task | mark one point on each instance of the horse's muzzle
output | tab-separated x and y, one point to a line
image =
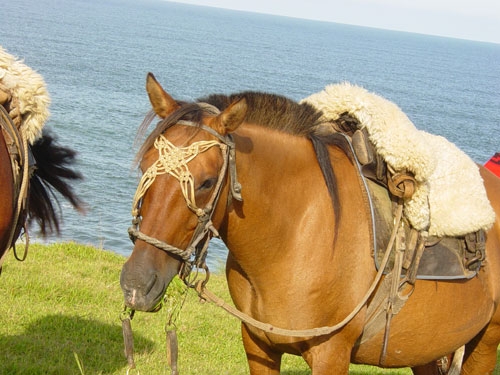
144	293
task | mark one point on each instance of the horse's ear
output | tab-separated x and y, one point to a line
163	104
232	117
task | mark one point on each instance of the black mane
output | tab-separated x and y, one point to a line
273	111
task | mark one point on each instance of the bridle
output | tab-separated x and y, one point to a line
173	160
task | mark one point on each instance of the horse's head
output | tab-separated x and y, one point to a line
182	195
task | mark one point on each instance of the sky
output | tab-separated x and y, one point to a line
465	19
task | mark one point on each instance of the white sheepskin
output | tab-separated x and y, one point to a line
29	89
450	199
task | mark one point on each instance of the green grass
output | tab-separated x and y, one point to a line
60	310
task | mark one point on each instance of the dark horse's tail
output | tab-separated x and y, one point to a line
51	179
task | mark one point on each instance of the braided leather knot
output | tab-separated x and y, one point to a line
402	185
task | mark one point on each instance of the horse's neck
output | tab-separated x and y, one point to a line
286	222
286	204
272	159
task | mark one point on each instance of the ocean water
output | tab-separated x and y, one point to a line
95	54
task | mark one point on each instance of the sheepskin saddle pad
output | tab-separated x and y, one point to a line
449	198
28	95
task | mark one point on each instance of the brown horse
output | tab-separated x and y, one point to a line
51	175
298	238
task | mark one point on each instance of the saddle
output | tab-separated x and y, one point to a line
415	254
421	226
426	173
443	174
425	257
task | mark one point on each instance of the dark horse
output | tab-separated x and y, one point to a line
34	196
298	238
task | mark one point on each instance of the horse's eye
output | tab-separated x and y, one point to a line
207	184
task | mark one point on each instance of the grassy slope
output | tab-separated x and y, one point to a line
65	300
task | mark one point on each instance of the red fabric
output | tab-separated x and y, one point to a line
494	164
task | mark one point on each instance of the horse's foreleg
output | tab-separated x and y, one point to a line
261	359
329	357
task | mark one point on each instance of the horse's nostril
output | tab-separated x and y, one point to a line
151	283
